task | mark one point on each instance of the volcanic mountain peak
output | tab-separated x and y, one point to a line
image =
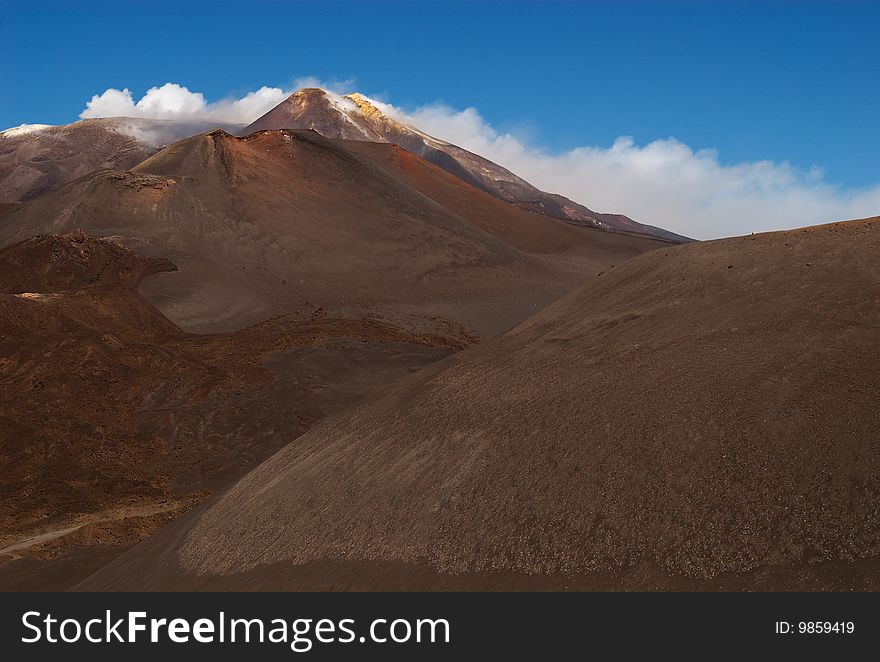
317	97
363	118
346	117
358	117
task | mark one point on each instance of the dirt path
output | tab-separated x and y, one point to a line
106	516
27	543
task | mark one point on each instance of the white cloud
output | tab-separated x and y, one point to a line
664	183
173	101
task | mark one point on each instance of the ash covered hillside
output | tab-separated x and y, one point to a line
113	421
701	417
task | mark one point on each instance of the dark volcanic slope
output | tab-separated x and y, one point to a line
527	231
112	419
259	225
38	158
356	117
703	416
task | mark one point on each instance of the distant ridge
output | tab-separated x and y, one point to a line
258	225
36	158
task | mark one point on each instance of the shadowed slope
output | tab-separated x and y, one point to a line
113	420
703	416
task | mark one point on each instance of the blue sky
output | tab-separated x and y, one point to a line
795	83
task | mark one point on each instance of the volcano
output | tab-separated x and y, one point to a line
357	117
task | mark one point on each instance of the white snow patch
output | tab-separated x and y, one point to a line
24	129
341	103
344	106
399	117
